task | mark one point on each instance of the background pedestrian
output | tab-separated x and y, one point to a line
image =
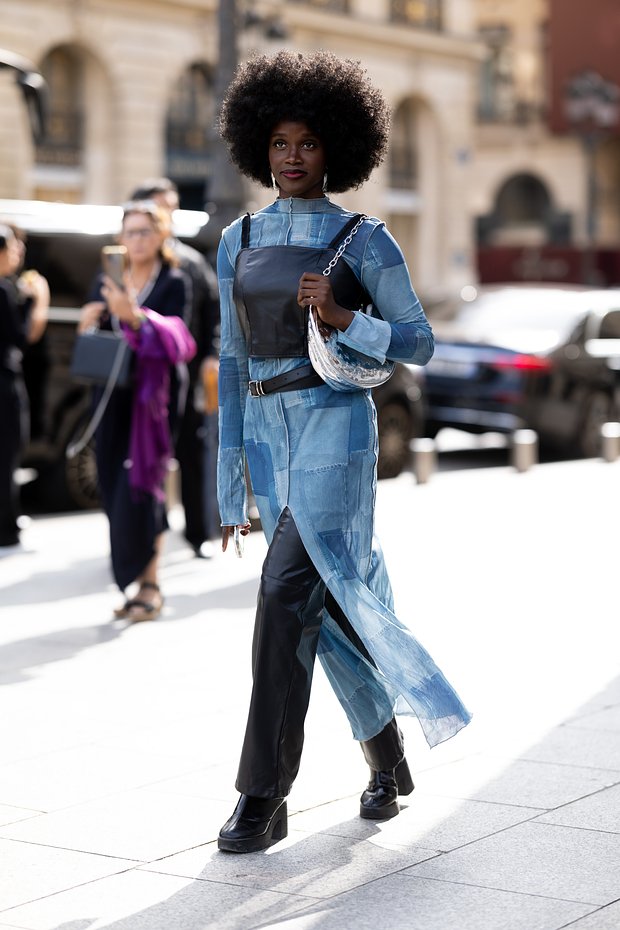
133	439
198	491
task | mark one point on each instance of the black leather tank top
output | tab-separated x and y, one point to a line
265	292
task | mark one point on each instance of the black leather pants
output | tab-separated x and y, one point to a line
288	621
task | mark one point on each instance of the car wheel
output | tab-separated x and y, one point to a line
80	474
394	426
597	410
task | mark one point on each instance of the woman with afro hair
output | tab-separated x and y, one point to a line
308	125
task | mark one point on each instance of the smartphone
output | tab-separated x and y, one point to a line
238	542
114	261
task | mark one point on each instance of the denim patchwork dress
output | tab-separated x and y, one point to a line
315	451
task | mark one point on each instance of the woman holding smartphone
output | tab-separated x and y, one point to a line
147	306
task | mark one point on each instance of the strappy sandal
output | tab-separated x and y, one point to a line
121	612
138	610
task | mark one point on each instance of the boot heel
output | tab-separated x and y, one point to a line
403	777
256	823
279	826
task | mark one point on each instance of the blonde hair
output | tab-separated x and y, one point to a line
161	222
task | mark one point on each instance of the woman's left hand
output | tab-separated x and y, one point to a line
228	531
316	291
121	303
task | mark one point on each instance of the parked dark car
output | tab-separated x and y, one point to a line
400	418
64	242
539	357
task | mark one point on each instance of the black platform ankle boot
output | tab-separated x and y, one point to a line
256	823
380	799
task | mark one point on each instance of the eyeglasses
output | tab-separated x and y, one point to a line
143	233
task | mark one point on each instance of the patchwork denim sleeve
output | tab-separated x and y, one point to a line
403	334
233	388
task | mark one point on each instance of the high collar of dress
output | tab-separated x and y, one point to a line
300	205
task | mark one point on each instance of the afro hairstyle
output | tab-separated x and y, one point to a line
332	96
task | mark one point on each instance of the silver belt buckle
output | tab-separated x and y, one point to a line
256	389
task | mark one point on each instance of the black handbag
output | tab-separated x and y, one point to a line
101	358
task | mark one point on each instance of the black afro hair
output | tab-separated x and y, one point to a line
332	96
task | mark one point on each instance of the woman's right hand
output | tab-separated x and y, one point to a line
89	315
227	532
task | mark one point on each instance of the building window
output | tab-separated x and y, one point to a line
334	6
188	134
403	148
425	14
497	93
64	141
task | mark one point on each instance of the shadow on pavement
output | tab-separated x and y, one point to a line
77	579
16	657
539	870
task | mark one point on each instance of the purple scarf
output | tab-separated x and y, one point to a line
160	342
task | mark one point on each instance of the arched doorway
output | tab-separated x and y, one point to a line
523	214
189	122
522	208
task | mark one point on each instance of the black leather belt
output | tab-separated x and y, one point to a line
298	378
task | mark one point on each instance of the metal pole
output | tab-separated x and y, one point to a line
589	144
610	441
224	189
524	451
424	459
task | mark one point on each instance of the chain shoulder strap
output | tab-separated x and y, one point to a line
345	242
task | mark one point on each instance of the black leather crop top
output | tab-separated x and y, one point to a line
265	292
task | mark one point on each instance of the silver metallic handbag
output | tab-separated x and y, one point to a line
342	368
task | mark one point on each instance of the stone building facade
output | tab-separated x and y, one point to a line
132	96
533	169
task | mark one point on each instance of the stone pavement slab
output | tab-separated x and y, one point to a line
30	871
128	737
503	781
141	824
10	814
149	901
606	720
402	903
600	811
585	748
73	776
604	918
536	858
315	865
424	820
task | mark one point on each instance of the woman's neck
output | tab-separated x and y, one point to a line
141	272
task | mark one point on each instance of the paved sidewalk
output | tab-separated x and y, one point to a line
118	745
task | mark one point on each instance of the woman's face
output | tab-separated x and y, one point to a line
297	160
141	237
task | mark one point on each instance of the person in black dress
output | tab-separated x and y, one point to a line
198	491
22	321
138	419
